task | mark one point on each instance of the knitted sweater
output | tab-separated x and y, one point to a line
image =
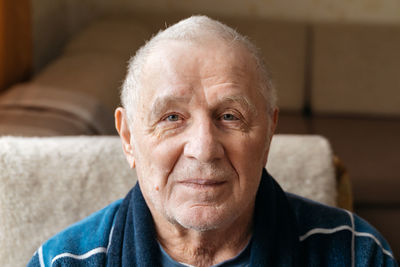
288	231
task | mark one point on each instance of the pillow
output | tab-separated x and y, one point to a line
110	35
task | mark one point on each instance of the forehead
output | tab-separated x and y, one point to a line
176	65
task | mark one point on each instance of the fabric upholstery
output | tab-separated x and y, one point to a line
72	108
355	69
98	75
110	35
370	149
310	160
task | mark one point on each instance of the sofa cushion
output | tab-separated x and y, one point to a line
99	76
117	35
355	69
31	122
28	110
370	149
293	123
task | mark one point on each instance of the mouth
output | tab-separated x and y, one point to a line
202	183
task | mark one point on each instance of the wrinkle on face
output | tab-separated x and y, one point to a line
238	104
161	105
242	101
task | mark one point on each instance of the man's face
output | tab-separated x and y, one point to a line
200	135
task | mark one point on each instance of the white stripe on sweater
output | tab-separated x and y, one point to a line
341	228
110	238
80	257
40	254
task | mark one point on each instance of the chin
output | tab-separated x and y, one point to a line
204	219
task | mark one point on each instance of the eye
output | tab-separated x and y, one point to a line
172	117
229	117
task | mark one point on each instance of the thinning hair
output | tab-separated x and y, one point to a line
193	29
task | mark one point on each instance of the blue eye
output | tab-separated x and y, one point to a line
229	117
173	117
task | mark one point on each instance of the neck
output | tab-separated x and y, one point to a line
205	248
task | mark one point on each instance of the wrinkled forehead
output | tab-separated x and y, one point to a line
214	61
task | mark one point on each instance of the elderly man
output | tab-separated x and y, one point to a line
198	115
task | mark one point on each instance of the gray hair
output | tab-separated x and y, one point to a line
192	29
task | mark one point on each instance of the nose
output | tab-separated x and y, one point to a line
203	143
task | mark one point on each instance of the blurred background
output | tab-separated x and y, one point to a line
336	65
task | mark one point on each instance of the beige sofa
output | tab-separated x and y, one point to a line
340	81
49	183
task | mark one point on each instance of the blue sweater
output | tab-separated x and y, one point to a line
288	231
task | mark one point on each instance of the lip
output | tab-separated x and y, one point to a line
202	183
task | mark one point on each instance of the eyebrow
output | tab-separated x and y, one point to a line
161	103
242	101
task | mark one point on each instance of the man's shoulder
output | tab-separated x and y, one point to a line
338	231
311	214
80	241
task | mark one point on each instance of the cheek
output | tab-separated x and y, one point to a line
155	161
247	156
249	151
154	166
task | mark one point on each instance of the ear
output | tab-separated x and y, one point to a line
274	122
272	127
122	126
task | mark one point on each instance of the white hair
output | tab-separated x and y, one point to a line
192	29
